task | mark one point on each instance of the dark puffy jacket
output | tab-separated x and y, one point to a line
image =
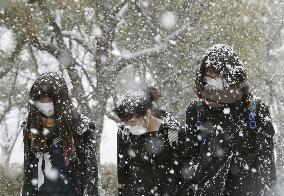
228	157
84	172
149	164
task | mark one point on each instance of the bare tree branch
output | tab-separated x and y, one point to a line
48	47
87	75
146	19
19	46
157	48
34	59
14	137
108	32
5	71
126	56
10	104
115	11
80	40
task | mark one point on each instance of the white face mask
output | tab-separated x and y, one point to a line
47	109
137	129
217	83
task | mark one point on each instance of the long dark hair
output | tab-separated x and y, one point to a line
136	103
54	86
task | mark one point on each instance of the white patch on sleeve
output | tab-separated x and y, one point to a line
173	136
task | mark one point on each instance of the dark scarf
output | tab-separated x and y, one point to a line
219	98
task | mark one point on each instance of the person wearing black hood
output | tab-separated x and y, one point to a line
229	130
59	144
148	143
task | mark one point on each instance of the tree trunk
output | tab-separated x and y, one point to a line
6	150
102	94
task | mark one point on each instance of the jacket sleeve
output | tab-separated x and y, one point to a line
264	161
191	141
183	185
91	180
28	188
190	144
122	164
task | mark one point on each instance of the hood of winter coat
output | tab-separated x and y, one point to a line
223	60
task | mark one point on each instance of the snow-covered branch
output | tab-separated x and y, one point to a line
119	9
48	47
8	138
157	48
125	56
79	39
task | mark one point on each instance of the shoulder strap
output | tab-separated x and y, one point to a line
252	114
199	119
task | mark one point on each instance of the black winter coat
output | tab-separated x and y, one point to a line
228	157
149	164
84	172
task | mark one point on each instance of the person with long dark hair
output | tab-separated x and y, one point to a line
229	130
59	143
149	147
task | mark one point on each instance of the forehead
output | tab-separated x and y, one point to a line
133	121
45	98
211	72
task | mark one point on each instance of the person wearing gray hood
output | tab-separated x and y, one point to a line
229	130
